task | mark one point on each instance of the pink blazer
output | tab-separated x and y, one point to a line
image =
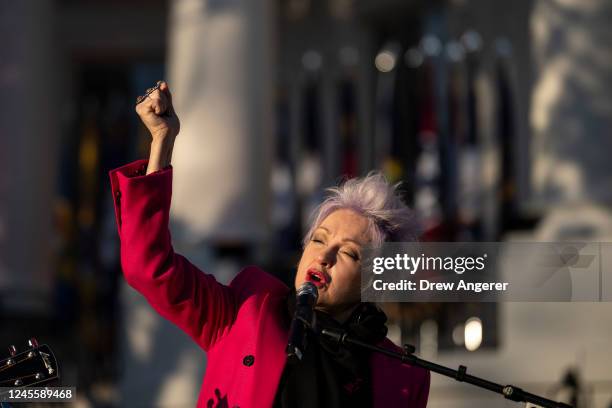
239	325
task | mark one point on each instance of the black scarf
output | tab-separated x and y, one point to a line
329	375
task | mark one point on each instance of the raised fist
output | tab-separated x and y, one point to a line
157	113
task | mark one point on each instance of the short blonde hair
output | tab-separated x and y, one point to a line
377	200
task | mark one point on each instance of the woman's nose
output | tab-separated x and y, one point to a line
327	258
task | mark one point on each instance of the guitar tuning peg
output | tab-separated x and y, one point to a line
12	350
33	343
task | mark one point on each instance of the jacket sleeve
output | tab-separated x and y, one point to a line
175	288
422	394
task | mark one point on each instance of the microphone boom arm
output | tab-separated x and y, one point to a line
508	391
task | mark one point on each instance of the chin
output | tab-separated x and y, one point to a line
324	306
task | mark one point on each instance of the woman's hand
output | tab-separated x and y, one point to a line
157	114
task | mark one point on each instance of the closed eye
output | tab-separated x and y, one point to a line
352	255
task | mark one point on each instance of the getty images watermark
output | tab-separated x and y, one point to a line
488	272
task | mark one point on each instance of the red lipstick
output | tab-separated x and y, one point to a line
318	278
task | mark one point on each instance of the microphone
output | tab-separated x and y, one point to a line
306	298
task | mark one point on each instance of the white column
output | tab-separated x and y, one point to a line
571	112
221	72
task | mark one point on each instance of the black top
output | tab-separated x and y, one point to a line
330	375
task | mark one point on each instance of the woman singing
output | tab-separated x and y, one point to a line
244	326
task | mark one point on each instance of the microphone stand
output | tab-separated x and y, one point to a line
508	391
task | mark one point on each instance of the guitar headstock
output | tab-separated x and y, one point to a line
33	367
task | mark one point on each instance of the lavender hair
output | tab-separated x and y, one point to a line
377	200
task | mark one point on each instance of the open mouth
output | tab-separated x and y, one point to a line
317	277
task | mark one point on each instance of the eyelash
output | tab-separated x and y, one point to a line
352	256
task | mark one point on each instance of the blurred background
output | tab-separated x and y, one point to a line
493	116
